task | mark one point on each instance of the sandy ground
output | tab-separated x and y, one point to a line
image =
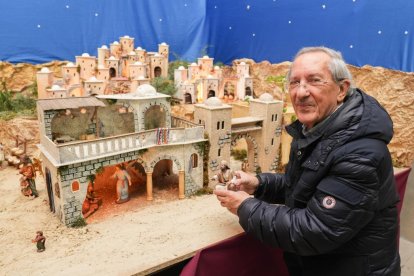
122	244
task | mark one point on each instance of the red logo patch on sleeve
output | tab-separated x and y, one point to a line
328	202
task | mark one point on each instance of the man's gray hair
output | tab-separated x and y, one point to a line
337	65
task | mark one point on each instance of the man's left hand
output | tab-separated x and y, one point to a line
231	199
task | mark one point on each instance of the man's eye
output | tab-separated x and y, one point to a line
315	81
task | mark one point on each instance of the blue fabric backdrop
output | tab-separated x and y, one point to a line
379	33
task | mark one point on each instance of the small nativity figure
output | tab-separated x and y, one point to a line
40	241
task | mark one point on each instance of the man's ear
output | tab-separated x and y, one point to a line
343	90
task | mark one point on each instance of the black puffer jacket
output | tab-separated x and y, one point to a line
338	214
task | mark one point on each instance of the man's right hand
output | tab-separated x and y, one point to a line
246	182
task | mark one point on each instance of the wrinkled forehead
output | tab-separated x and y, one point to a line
312	63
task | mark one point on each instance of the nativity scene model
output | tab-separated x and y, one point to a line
107	136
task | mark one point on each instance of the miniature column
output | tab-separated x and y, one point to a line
149	186
181	184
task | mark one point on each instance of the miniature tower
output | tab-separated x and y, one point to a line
87	65
113	64
206	65
137	69
103	54
186	91
93	86
44	79
141	54
70	74
115	49
56	92
127	44
193	71
158	66
216	118
180	75
103	73
242	73
271	111
163	49
210	87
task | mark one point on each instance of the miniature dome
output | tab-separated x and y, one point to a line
157	55
216	67
194	64
112	58
181	68
104	47
45	70
85	55
132	53
115	43
213	101
145	90
163	44
141	77
139	48
242	63
266	97
210	77
126	36
70	64
92	79
55	87
205	57
100	66
138	63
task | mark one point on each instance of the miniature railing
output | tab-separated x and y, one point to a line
180	122
79	151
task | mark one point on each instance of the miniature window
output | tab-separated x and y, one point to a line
219	152
273	117
194	160
222	124
272	141
75	186
218	125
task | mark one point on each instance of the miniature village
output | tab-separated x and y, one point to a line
107	135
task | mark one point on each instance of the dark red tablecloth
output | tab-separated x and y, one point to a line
243	255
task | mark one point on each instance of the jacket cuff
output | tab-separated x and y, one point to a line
260	187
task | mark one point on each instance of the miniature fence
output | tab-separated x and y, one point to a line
80	151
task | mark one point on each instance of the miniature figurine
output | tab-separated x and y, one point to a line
224	175
91	203
245	165
123	180
28	178
40	241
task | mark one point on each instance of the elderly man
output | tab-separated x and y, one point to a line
336	203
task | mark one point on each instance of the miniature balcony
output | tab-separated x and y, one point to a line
80	151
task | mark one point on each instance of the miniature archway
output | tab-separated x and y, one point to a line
157	72
162	108
112	72
187	98
252	152
211	93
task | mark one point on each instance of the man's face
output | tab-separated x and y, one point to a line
313	92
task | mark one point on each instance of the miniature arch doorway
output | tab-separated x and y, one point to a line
247	142
166	178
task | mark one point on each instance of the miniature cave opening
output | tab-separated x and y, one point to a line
104	192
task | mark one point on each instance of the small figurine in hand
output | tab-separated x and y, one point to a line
40	241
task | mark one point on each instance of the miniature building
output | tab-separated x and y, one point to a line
120	61
208	81
261	130
81	136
